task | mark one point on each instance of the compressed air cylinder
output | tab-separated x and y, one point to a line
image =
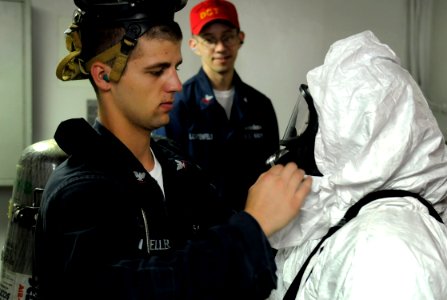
35	165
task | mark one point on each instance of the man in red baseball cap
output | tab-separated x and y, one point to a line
227	126
213	10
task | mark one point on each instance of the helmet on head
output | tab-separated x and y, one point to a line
135	16
136	11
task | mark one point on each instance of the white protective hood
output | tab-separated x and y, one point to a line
376	131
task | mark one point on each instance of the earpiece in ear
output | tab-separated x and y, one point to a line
106	78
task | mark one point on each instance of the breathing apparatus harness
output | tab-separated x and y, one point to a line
135	16
350	214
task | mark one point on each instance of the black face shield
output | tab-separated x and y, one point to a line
109	12
297	144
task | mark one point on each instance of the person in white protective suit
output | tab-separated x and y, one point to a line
376	132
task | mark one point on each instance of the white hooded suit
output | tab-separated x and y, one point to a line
376	132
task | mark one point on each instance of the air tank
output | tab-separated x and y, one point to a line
35	166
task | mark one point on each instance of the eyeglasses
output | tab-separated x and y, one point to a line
227	39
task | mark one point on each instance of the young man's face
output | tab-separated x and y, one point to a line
217	45
145	92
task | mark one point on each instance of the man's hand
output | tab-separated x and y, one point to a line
276	197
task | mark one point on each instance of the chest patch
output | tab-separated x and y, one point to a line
201	136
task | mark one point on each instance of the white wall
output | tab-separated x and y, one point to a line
437	92
53	100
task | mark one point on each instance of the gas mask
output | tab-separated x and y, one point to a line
297	144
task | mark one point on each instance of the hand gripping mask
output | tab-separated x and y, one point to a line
135	16
297	144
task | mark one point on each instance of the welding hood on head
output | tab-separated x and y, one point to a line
297	144
134	11
135	16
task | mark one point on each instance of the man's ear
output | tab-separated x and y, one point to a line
242	36
193	45
100	74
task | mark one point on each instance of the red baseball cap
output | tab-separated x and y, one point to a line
212	10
